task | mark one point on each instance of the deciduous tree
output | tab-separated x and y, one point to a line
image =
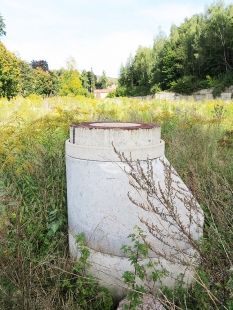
35	81
70	80
9	73
35	64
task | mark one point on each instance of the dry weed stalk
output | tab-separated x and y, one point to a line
218	220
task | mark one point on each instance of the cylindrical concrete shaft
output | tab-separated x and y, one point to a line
98	205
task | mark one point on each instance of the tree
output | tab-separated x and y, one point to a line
92	80
201	46
157	56
70	80
35	64
102	82
219	28
56	80
2	26
85	80
44	84
9	73
34	81
142	67
27	79
126	78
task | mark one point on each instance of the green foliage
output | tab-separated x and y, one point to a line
35	81
27	81
56	83
112	94
204	170
35	228
43	82
185	85
155	89
136	252
220	82
85	80
9	73
82	265
170	70
17	77
70	81
102	82
202	164
2	26
121	91
139	249
217	90
36	270
84	253
203	84
35	64
219	112
92	81
201	46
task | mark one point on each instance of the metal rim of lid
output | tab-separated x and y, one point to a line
115	125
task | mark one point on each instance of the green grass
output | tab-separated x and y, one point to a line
36	270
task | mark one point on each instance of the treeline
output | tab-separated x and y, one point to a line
197	54
18	77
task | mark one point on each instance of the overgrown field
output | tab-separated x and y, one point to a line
36	271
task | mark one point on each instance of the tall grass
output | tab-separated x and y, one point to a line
206	168
36	271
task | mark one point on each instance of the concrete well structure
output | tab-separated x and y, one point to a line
98	205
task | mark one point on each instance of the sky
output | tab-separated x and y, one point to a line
99	34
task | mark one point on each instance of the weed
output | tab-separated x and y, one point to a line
219	112
36	271
212	286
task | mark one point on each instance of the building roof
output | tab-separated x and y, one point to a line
106	90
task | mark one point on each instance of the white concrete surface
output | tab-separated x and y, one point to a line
149	302
108	269
98	204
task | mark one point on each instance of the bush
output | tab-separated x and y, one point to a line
155	89
203	84
111	94
185	85
121	91
217	90
220	82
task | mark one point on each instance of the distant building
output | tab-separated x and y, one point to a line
102	93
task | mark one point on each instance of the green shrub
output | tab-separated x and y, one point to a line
203	84
185	85
217	90
111	94
121	91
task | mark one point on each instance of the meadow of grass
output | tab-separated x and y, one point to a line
36	271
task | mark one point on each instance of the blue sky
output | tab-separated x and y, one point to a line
97	33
